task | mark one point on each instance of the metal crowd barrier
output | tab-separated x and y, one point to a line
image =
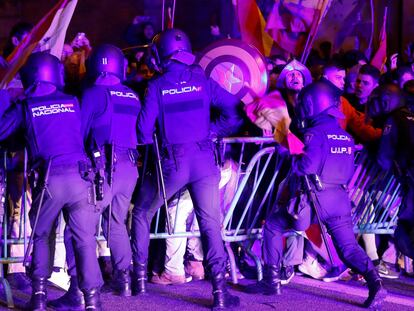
259	168
375	195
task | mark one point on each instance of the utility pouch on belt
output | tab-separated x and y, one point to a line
99	179
87	174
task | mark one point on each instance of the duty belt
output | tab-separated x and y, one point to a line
61	169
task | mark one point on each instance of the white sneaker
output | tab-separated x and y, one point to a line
60	279
313	268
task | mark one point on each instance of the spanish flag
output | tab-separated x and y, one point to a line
380	57
252	26
48	35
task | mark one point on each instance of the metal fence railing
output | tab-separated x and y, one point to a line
257	168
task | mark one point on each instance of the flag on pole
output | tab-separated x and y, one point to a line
48	34
291	23
380	56
252	26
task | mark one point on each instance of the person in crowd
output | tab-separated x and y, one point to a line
180	209
355	121
367	80
140	31
404	74
16	182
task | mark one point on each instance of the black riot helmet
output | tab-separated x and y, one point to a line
106	59
316	99
383	100
172	44
42	67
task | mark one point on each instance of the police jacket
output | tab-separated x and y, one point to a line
109	115
51	125
397	141
328	152
180	100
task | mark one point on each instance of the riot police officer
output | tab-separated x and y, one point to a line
52	126
179	102
109	115
328	160
396	152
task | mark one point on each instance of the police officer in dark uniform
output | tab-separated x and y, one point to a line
179	102
109	119
52	126
109	115
396	152
328	160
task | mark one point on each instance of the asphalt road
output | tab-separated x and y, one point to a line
301	294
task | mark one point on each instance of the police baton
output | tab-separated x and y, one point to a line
110	183
314	202
42	196
161	177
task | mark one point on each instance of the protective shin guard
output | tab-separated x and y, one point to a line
222	298
377	292
71	300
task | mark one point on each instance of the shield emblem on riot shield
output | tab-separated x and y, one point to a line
237	66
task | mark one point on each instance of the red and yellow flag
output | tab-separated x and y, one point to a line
252	26
48	34
380	57
293	23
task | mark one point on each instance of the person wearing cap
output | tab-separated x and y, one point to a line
51	122
177	105
328	161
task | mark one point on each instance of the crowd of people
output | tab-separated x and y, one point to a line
81	131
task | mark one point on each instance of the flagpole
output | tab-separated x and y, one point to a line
369	49
307	42
173	14
311	37
163	15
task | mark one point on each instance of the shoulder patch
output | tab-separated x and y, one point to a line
387	129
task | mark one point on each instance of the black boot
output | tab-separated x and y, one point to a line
270	285
71	300
377	292
105	264
92	299
140	279
222	298
39	295
122	283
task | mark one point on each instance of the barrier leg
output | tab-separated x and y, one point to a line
258	263
233	267
6	288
